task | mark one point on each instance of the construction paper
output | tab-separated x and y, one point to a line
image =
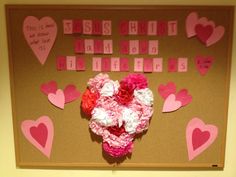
40	35
80	64
166	90
182	64
203	64
153	47
49	87
147	65
97	27
172	28
107	47
115	64
106	27
71	93
79	46
217	34
61	63
142	27
57	99
124	27
138	65
98	46
68	26
97	63
133	47
89	46
152	28
171	104
191	22
71	63
133	27
157	65
199	136
203	32
184	97
124	64
106	64
143	47
39	133
124	47
172	65
162	28
77	26
87	27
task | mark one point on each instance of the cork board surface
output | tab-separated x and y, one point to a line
164	144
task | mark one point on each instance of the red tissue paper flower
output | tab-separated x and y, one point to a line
88	101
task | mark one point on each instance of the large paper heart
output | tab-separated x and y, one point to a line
184	97
50	87
57	99
203	64
166	90
203	32
217	34
71	93
40	35
39	133
199	137
171	104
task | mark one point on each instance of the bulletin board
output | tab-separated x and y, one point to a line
184	52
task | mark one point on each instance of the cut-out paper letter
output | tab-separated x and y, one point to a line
172	28
106	27
124	47
71	63
107	46
157	65
133	47
133	27
106	64
138	65
172	65
61	63
87	27
147	65
97	63
89	46
182	64
68	26
80	64
79	46
153	47
124	27
124	64
115	64
77	26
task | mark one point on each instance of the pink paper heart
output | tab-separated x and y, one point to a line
203	32
171	104
57	99
40	35
199	137
71	93
217	34
191	21
50	87
203	64
184	97
166	90
39	133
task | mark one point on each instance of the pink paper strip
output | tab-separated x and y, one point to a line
79	46
124	27
142	27
172	28
157	65
87	27
80	64
106	27
124	64
89	46
77	26
97	27
172	65
98	46
182	64
162	28
97	63
153	47
68	26
115	64
138	65
143	47
106	64
148	65
71	63
61	63
133	27
124	47
152	28
133	47
107	47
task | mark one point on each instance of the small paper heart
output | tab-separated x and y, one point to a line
203	64
203	32
171	104
166	90
57	99
50	87
184	97
71	93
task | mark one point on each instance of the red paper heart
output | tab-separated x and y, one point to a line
183	97
40	134
71	93
166	90
203	64
199	138
50	87
203	32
